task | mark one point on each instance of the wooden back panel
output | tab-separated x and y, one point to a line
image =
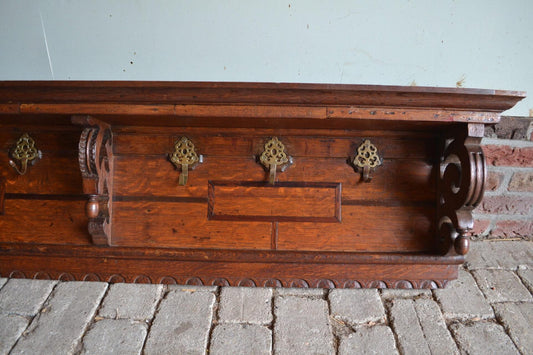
228	204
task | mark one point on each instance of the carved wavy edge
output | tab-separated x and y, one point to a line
237	282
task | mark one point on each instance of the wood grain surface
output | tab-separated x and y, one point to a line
104	202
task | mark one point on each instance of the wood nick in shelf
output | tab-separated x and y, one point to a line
104	201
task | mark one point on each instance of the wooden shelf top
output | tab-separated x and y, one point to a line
253	100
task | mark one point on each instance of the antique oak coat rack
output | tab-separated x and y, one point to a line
250	184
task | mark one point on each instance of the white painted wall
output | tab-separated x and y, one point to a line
480	43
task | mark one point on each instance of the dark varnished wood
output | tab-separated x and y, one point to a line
104	202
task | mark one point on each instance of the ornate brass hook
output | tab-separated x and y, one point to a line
367	159
274	158
25	152
185	156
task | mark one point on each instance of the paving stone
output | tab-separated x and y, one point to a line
302	326
526	275
63	319
369	340
245	305
182	324
241	339
499	255
462	299
110	336
191	288
390	293
511	254
502	286
356	306
24	297
483	338
420	327
517	318
2	281
11	327
482	256
131	301
301	292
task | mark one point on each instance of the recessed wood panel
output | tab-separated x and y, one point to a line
288	201
364	229
58	221
183	225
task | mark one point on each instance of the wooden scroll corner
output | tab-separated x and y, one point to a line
460	187
96	161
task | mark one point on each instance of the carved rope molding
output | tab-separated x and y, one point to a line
95	155
461	185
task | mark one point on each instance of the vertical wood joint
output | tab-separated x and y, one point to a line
274	239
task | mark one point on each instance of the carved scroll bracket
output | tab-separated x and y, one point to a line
95	155
461	185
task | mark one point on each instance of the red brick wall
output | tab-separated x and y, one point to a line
507	208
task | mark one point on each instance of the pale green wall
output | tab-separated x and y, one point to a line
484	43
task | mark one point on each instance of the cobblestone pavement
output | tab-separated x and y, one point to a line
488	310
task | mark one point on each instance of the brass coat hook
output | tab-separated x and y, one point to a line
24	152
366	160
185	156
274	158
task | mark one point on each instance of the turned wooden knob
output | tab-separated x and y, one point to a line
93	207
461	245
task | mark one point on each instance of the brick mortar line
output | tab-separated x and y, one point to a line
509	193
387	322
156	311
506	168
36	316
274	318
79	347
515	143
273	322
508	173
498	321
529	132
336	337
503	217
422	328
486	232
504	185
388	318
215	317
